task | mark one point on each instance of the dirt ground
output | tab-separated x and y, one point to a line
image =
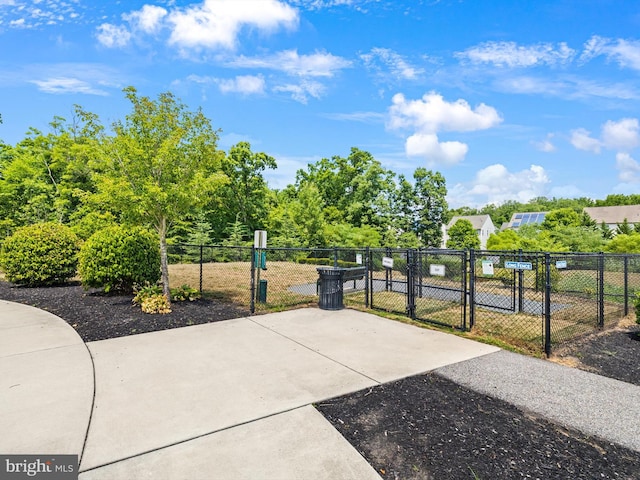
422	427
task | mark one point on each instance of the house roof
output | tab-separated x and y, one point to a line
477	221
611	215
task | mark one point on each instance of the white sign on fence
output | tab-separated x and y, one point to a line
387	262
359	258
487	267
437	270
561	264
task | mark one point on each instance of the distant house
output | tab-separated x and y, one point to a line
519	219
614	216
482	224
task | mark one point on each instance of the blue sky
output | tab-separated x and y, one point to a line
509	100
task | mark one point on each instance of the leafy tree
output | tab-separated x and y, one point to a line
562	217
161	165
347	235
504	240
462	236
355	190
46	177
624	228
618	199
578	239
430	205
244	197
624	243
605	231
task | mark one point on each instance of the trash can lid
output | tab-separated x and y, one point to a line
330	269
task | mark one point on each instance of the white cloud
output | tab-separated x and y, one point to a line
318	64
567	87
582	140
398	67
623	135
545	145
66	85
432	114
244	84
427	145
625	52
210	24
510	54
362	117
628	169
37	14
302	91
496	184
217	23
148	19
113	36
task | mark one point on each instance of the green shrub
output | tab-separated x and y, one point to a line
183	293
42	254
156	304
117	258
636	303
144	292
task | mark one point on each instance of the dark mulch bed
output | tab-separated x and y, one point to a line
98	316
423	427
427	427
612	353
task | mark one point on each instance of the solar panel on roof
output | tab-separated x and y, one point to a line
518	216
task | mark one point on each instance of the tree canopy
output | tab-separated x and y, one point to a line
161	167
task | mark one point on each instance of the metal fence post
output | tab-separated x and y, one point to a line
335	256
520	285
547	304
201	259
367	275
388	274
253	280
601	290
464	290
420	270
472	289
626	285
411	290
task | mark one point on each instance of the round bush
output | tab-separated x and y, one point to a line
118	258
40	255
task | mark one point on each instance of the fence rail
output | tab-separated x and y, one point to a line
532	300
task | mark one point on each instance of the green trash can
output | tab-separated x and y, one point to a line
330	291
262	291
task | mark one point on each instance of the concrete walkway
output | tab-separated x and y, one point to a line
233	399
223	400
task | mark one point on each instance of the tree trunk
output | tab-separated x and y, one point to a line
164	265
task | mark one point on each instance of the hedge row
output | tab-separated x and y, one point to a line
115	258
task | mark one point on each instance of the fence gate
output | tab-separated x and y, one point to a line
507	296
426	285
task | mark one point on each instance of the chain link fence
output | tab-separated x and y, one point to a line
531	300
507	296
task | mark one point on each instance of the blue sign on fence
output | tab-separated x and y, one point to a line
519	265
